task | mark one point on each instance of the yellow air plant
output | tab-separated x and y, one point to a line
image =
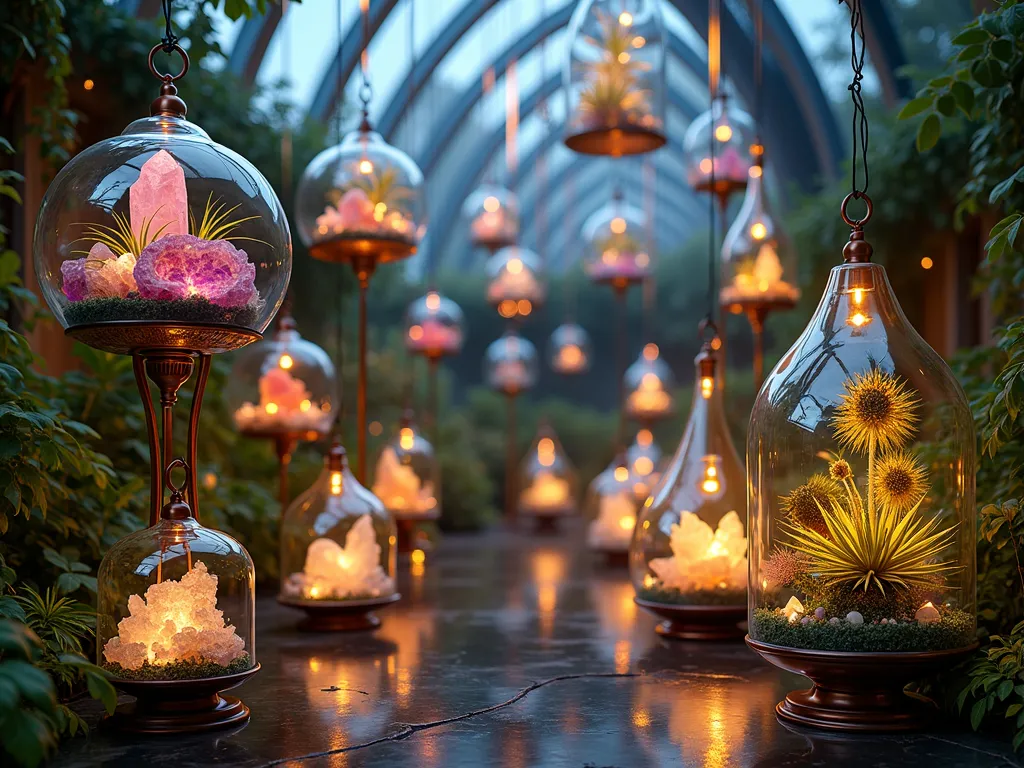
215	224
119	238
383	187
612	90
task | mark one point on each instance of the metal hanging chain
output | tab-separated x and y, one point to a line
710	317
340	85
758	70
365	89
169	39
860	118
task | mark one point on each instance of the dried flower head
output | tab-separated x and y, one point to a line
900	482
783	567
840	470
804	503
877	409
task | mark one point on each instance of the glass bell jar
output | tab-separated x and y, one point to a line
690	548
162	231
758	260
337	550
283	386
643	458
732	130
569	350
361	200
615	78
614	237
407	475
493	215
861	453
510	364
610	508
648	384
433	327
547	480
515	285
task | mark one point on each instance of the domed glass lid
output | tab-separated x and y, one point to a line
649	384
434	326
493	215
510	364
616	240
515	284
731	131
569	350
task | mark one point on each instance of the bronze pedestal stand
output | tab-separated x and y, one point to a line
284	446
340	615
615	140
409	535
697	622
757	313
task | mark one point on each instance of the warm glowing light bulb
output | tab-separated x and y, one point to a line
644	438
571	356
365	167
643	465
626	19
271	408
705	165
758	230
621	474
755	172
649	382
643	260
433	302
623	58
88	85
651	351
305	405
415	332
286	361
491	204
639	42
723	133
524	307
514	266
627	522
545	445
618	225
335	483
927	263
406	438
418	556
707	386
507	308
710	484
378	211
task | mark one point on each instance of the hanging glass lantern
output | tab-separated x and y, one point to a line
547	480
361	202
510	364
337	551
515	284
688	560
643	458
610	508
433	327
733	131
615	78
649	383
493	215
569	350
614	237
861	457
175	621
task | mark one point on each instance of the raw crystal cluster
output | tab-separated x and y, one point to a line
333	572
729	166
182	266
514	286
649	399
762	281
357	214
175	621
434	338
613	528
547	493
399	487
285	406
101	274
704	560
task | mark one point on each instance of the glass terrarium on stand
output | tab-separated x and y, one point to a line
615	241
569	350
493	215
547	481
283	389
861	453
648	386
407	481
515	284
610	508
433	330
688	559
643	458
615	78
732	131
338	545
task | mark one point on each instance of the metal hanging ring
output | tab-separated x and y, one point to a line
165	77
702	329
856	223
174	464
365	93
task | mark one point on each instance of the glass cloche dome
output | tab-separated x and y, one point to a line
407	478
510	364
733	131
649	383
515	284
361	200
161	225
610	508
643	458
615	78
569	350
547	480
614	237
433	326
284	386
493	215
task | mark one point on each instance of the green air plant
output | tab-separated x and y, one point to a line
612	91
215	224
383	188
120	238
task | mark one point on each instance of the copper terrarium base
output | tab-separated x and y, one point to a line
858	692
126	337
616	141
697	622
181	706
340	615
362	251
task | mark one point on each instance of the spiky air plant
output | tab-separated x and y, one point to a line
383	188
120	238
804	503
900	482
215	224
613	91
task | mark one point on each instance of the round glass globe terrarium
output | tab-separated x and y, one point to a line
610	508
648	385
861	452
493	215
433	327
688	560
732	132
547	480
337	551
515	284
510	365
615	78
614	237
569	350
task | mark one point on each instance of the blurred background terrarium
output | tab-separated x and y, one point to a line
511	365
648	384
643	457
615	238
338	551
493	215
615	78
732	131
547	481
610	509
688	560
569	350
433	327
515	283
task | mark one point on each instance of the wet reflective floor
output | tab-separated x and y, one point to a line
446	681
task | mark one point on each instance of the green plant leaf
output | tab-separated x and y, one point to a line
916	106
964	95
972	37
928	133
977	713
1003	187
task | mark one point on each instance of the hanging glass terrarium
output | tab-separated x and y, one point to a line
515	284
648	385
615	78
643	458
688	561
510	364
861	453
493	215
732	131
610	508
433	327
337	551
615	240
547	480
569	350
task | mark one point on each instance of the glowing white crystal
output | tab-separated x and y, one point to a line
613	528
399	487
703	559
547	491
333	572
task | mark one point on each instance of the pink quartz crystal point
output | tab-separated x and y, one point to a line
182	266
355	211
280	387
158	197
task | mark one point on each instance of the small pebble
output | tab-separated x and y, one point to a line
854	618
834	620
819	613
885	621
805	620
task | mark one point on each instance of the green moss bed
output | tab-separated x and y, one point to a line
180	670
194	309
733	597
954	630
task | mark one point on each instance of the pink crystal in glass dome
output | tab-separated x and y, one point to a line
162	224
